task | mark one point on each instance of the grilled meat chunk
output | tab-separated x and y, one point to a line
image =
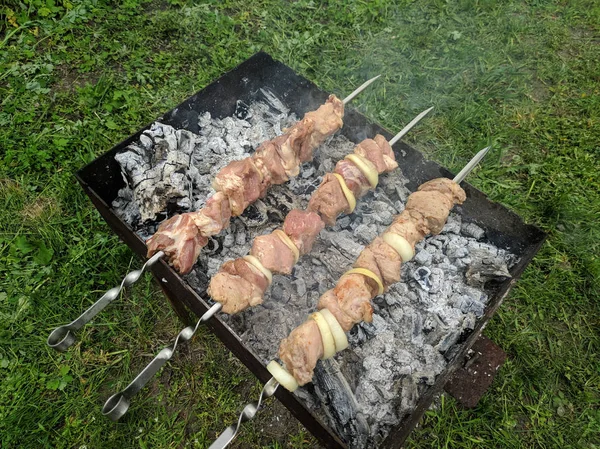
355	180
274	255
301	350
329	200
180	240
302	227
381	259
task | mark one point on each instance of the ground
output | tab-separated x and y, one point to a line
78	76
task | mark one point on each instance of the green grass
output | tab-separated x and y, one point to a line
77	77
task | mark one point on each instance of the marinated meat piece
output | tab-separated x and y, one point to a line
411	225
434	206
301	351
355	180
330	302
370	150
214	216
180	240
241	182
446	186
327	120
302	227
381	259
354	293
247	271
388	154
274	255
267	160
234	292
329	200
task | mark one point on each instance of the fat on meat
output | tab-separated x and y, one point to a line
179	239
241	182
355	179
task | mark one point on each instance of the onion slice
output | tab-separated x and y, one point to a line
347	192
369	274
339	336
366	167
282	376
326	336
288	242
259	266
400	244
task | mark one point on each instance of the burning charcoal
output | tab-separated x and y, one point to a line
146	141
300	287
457	252
478	274
425	377
204	121
410	395
453	224
423	258
333	389
421	275
447	340
366	233
241	110
436	280
469	322
472	230
343	222
228	240
308	172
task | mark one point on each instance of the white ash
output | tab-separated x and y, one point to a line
393	360
170	170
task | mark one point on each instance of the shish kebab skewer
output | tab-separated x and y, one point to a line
302	349
241	283
182	237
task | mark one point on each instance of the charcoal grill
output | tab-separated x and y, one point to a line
101	180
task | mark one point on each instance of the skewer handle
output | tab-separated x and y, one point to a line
63	337
247	414
118	404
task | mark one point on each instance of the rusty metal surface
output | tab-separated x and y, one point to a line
470	382
102	179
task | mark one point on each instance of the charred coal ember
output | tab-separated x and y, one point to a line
417	325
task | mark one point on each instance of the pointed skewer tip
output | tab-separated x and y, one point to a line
358	90
408	127
471	165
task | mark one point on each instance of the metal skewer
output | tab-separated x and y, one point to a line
358	90
116	406
250	410
62	337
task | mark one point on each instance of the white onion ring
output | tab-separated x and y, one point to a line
281	375
347	192
366	167
288	242
339	336
326	336
400	244
259	266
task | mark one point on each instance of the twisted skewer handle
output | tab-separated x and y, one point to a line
118	404
247	414
62	337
